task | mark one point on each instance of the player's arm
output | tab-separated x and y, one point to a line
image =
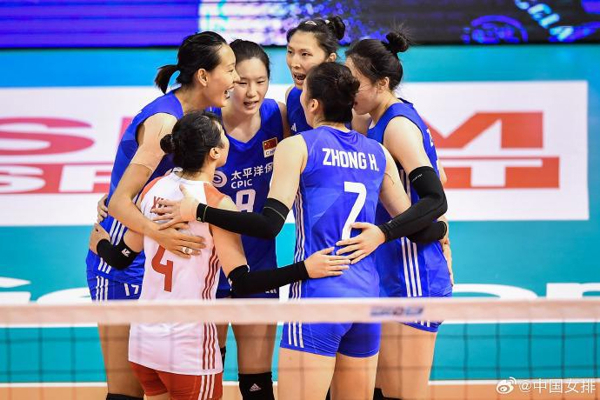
102	208
143	164
418	227
122	254
445	241
443	176
229	249
289	161
405	143
284	121
396	202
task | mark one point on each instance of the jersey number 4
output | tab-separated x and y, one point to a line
361	190
165	269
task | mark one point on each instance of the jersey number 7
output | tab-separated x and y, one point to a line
361	190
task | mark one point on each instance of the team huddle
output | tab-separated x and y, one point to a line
203	181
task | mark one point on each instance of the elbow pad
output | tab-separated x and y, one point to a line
427	184
432	233
243	282
264	225
118	256
431	205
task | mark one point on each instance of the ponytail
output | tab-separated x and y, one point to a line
163	77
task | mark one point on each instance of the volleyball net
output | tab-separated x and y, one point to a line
487	348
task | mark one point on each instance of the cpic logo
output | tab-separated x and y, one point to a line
220	179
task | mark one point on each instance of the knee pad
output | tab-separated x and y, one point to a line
112	396
256	386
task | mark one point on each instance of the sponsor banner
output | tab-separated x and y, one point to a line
511	150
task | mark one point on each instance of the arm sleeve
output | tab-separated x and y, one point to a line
431	205
118	256
432	233
266	224
243	282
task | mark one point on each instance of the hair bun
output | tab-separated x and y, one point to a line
398	42
346	84
167	143
337	26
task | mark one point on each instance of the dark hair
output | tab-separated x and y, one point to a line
200	50
328	32
376	59
246	50
335	87
193	136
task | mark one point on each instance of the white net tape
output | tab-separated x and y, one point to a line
252	311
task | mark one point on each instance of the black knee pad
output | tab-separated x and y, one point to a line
256	386
223	351
112	396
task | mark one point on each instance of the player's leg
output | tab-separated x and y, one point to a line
150	380
223	292
255	344
405	360
114	340
222	331
356	363
303	376
164	396
307	359
187	387
354	378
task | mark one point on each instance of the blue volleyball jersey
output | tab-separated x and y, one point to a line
167	104
295	112
246	177
340	185
408	269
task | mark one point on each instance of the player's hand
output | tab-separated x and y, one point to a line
102	208
178	243
322	265
445	242
445	239
448	255
181	226
362	245
178	211
98	233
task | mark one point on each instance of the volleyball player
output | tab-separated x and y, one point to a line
182	360
311	43
407	349
338	176
206	67
254	126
